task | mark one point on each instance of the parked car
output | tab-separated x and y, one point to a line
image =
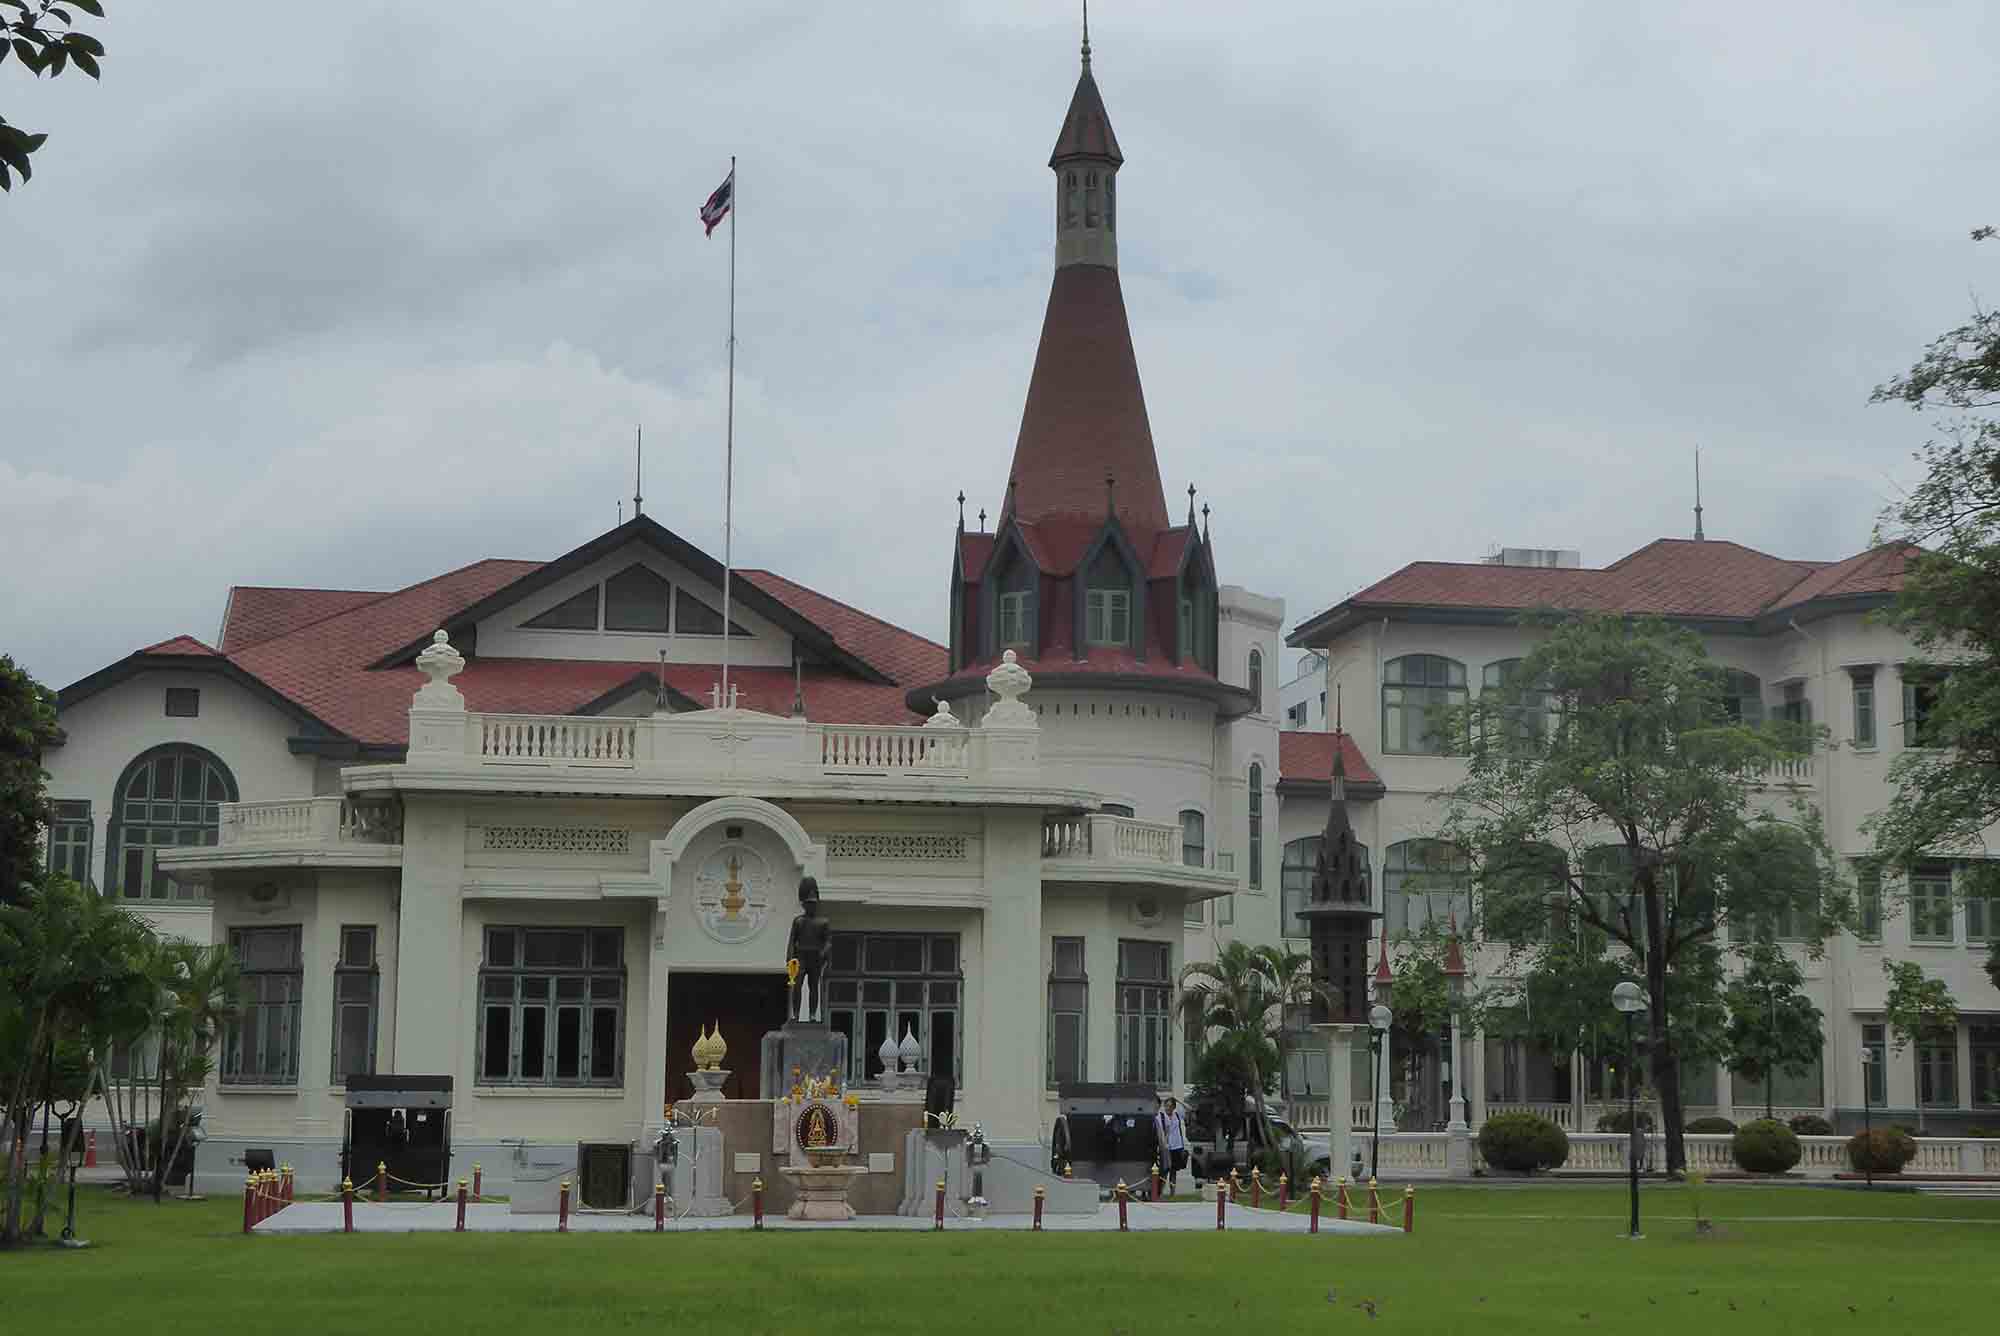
1211	1155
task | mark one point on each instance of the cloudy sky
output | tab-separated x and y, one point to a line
350	294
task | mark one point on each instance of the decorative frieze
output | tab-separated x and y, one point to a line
577	840
900	847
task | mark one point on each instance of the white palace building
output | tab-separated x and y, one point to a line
502	825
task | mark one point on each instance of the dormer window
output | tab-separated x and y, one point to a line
1107	612
1014	607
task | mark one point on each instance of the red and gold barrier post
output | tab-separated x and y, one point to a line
1342	1197
1123	1194
1315	1206
1374	1202
476	1177
659	1206
461	1206
1221	1200
381	1181
249	1201
937	1215
562	1207
756	1203
1409	1209
1040	1193
347	1206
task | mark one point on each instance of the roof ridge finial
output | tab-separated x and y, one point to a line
1190	505
1204	521
1110	494
638	469
1086	34
982	519
961	510
1699	537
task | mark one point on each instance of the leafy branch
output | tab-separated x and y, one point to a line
44	38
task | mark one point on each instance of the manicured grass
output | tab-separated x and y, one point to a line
1525	1259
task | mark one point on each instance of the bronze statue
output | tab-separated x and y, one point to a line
808	944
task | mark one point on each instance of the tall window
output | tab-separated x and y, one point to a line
882	985
1608	884
1525	895
260	1044
1256	827
1194	838
1864	706
1795	708
1256	681
1069	1011
168	797
636	599
357	992
1424	880
1982	917
1742	696
1416	690
1144	992
1985	1054
1524	718
1867	900
1937	1069
69	840
552	1007
1930	902
1187	628
1015	606
1107	616
1295	879
1875	1039
1919	701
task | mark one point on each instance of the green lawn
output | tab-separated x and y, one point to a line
1525	1259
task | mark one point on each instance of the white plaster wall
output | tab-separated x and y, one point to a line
1151	751
502	635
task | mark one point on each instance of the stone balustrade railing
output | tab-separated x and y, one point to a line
1425	1154
330	819
1314	1115
1099	839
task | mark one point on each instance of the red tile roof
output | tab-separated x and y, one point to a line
1670	577
186	645
1306	757
898	654
1085	414
257	613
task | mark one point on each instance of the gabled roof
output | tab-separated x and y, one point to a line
903	656
1305	765
176	645
1086	127
973	551
256	613
1687	579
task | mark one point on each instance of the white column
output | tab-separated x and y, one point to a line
1457	1123
1339	1094
1004	1068
1385	1102
1478	1077
430	983
653	1095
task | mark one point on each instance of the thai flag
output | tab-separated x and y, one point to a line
717	207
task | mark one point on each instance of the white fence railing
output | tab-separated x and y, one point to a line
306	821
1098	838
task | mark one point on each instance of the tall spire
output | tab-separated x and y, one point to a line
638	468
1698	535
1086	34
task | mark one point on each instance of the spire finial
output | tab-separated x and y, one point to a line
982	519
1336	709
1698	535
638	468
1190	505
1204	521
1013	488
961	511
1086	34
1110	491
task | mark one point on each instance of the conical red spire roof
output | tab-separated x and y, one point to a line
1086	129
1086	413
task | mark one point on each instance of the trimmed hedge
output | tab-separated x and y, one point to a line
1523	1142
1883	1151
1621	1121
1710	1125
1765	1146
1811	1125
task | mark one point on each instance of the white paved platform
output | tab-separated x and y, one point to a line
435	1217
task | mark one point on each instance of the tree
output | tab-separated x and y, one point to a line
1236	1004
42	36
1619	745
1947	784
27	729
1773	1026
72	967
1917	1008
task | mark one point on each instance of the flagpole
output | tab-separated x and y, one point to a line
729	443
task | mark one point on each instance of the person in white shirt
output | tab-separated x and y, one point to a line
1170	1131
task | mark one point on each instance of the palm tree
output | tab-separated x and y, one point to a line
204	990
1240	999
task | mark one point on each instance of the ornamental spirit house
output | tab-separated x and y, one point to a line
1341	912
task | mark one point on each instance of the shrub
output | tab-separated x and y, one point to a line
1883	1151
1765	1146
1711	1125
1523	1141
1811	1125
1621	1121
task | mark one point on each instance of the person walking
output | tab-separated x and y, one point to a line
1170	1132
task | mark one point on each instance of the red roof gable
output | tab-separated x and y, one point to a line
256	613
1879	570
1306	757
1086	127
898	654
187	645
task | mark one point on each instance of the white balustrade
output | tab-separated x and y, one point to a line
1559	1114
1421	1152
309	821
559	739
1098	838
1362	1115
869	750
1823	1155
1065	837
1309	1115
1990	1157
1145	841
1935	1155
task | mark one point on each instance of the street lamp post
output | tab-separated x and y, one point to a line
1868	1114
1770	1046
1630	999
1379	1020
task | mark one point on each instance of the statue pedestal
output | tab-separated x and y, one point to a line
811	1047
695	1180
821	1190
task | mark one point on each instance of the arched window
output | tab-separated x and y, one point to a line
1416	690
1110	203
1015	606
1090	199
1194	838
167	797
1525	711
1107	612
1424	880
1295	880
1256	681
1608	885
1256	827
1072	201
1524	895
